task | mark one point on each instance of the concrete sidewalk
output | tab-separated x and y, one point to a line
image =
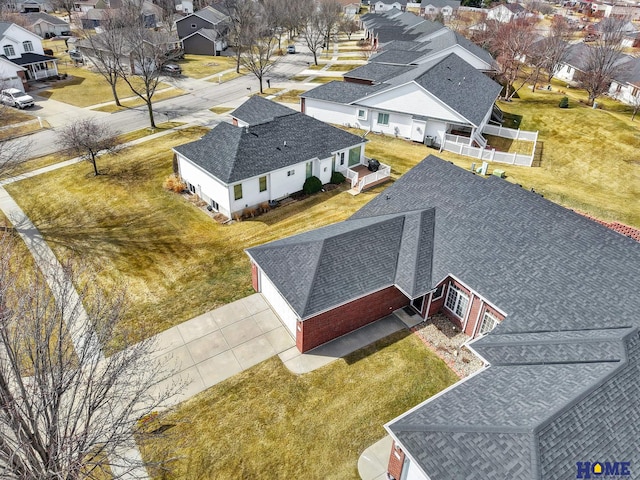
221	343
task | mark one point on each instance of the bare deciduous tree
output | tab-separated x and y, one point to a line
348	26
510	44
259	56
67	411
331	13
242	17
148	51
105	50
314	33
88	138
604	58
549	52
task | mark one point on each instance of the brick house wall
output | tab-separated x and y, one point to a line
396	461
326	326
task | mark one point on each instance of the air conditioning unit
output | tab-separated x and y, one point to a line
428	141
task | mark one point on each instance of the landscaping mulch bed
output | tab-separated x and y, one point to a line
446	340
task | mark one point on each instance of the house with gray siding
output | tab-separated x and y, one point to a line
204	32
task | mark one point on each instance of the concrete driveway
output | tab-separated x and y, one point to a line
221	343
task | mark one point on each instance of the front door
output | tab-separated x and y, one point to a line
417	304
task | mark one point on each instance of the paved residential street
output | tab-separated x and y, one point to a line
200	97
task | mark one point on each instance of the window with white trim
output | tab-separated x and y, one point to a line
27	46
438	293
457	301
9	51
290	173
362	114
383	119
489	322
262	181
237	191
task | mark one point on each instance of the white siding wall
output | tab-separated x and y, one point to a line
625	95
210	188
382	7
566	73
414	473
279	304
412	99
436	130
283	185
330	112
322	169
251	194
9	75
15	35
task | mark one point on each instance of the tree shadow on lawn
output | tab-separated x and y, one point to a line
375	347
132	241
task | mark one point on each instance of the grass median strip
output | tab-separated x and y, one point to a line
137	101
270	423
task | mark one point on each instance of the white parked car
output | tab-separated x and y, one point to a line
16	98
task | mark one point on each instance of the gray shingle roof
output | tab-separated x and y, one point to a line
455	82
310	270
452	80
29	58
342	92
396	57
630	73
210	14
377	72
232	154
4	26
563	385
34	17
260	110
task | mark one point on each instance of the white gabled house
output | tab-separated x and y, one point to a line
625	86
24	48
234	168
422	103
11	75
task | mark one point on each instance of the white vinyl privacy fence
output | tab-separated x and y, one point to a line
462	146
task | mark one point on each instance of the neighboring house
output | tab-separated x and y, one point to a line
507	267
421	103
128	59
631	40
12	75
204	32
184	6
379	6
625	86
507	12
438	45
236	168
24	48
435	7
46	25
576	62
84	6
34	6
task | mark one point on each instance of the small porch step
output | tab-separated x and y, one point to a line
355	191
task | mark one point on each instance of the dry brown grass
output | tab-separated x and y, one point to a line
269	423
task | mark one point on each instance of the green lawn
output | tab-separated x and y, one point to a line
269	423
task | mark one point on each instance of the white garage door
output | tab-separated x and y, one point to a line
279	304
